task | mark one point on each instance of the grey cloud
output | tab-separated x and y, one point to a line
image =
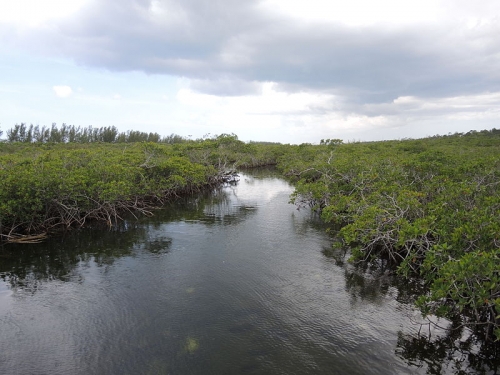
211	41
226	87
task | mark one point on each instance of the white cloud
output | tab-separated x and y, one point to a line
270	101
277	115
361	13
35	12
358	12
285	70
451	106
63	91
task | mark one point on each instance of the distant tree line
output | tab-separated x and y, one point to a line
485	132
22	133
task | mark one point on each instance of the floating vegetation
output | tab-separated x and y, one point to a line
27	239
191	345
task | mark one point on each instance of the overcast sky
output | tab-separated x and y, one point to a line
290	71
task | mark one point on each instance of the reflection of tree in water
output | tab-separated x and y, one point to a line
375	279
450	353
223	209
261	172
456	351
307	222
364	281
210	208
27	266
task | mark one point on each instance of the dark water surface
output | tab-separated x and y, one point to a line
232	283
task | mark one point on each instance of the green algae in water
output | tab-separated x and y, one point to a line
191	345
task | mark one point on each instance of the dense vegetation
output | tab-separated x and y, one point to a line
429	207
46	185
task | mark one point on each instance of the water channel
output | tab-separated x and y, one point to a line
234	282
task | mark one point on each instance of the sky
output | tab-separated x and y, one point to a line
289	71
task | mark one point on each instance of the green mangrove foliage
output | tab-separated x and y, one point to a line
430	207
44	186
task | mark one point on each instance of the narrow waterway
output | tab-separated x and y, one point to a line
235	282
